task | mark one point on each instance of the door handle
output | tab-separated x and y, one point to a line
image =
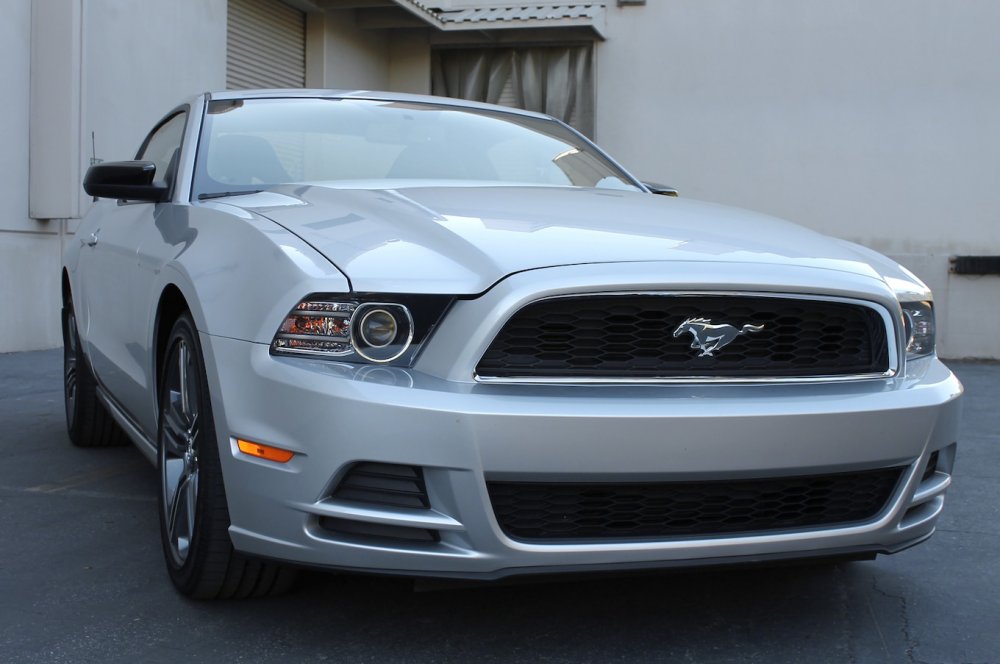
91	240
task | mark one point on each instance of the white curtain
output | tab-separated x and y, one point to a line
557	80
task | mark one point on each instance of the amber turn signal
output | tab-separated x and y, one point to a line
264	451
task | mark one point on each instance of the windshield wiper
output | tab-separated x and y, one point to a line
223	194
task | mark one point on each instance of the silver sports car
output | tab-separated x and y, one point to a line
421	336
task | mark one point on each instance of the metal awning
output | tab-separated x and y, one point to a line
508	15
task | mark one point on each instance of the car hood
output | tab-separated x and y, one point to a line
462	239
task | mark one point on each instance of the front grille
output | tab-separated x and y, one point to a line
581	511
388	484
633	336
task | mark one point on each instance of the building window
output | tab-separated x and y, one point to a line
556	80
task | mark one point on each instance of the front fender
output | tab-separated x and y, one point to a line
240	273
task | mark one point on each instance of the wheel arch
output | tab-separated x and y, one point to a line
67	290
171	305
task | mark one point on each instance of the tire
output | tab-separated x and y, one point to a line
88	422
194	517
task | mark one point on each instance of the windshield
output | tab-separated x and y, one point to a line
253	144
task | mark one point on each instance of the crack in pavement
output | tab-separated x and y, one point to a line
904	627
878	628
843	600
967	532
89	477
78	493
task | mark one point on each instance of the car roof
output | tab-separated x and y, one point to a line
376	95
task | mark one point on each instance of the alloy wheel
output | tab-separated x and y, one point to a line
179	450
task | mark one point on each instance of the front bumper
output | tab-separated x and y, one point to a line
333	415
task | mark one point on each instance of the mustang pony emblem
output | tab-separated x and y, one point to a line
709	338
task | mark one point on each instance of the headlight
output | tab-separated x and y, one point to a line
380	329
920	330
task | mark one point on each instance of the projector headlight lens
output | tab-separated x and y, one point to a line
383	331
378	328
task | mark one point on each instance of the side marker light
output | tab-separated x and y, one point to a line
264	451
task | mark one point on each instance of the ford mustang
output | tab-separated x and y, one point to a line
428	337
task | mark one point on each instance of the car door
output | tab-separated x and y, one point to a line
119	282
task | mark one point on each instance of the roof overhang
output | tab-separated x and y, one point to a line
464	16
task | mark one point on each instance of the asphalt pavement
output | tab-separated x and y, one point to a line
82	579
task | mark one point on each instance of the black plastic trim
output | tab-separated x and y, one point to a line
975	265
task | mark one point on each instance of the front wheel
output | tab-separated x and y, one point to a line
194	517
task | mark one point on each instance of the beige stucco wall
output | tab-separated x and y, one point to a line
872	121
130	82
339	55
410	62
120	66
29	250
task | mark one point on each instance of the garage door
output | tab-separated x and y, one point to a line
265	46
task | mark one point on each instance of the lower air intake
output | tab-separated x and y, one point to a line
375	531
601	511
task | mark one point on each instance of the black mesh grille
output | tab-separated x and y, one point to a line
633	336
531	510
384	484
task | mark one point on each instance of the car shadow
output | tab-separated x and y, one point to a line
637	617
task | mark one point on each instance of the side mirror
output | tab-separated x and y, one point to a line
661	189
128	180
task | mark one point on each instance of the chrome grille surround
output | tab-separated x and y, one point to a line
892	325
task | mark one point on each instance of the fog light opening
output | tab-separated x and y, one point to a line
932	463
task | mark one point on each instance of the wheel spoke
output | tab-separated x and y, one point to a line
192	391
175	509
182	366
71	380
180	520
174	432
190	502
173	475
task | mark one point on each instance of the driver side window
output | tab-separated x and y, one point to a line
163	147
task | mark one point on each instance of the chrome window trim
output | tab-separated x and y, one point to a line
889	321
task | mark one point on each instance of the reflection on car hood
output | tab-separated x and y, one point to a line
463	239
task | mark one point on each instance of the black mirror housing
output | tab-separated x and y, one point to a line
661	189
125	180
